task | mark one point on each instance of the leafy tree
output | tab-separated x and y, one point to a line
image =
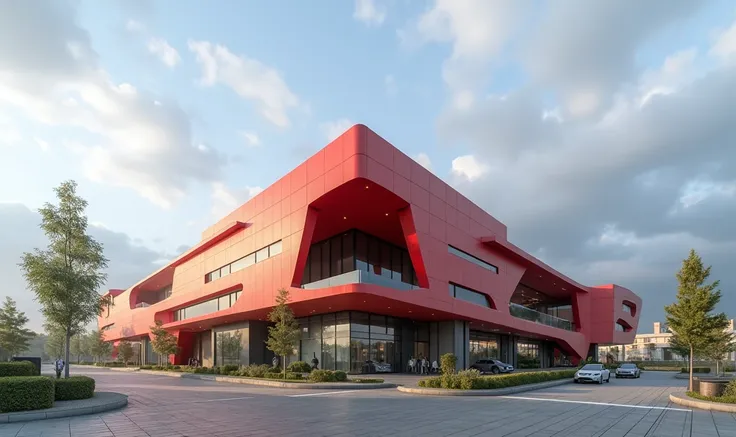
163	342
77	345
14	337
718	349
66	275
125	351
692	317
680	348
55	342
651	348
283	336
98	347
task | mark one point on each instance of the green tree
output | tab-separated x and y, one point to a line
98	347
66	275
692	316
680	348
163	342
55	342
283	336
77	345
125	351
14	337
718	349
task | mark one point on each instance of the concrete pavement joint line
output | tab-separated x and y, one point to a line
605	404
226	399
324	393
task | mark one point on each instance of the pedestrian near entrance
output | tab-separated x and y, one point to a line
59	367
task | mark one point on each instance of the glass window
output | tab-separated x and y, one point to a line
315	256
396	263
378	324
237	296
468	257
336	256
223	302
468	295
328	354
225	271
361	251
250	260
374	256
206	307
359	354
407	269
325	261
359	322
262	255
215	274
342	324
237	265
348	258
328	325
231	348
274	249
342	354
385	259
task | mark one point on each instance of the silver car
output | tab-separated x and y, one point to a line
628	370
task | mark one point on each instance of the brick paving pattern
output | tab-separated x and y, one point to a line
173	407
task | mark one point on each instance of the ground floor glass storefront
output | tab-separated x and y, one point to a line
352	341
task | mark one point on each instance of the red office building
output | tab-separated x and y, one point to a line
384	261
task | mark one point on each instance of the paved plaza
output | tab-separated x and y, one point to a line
161	406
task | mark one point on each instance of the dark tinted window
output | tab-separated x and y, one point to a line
593	367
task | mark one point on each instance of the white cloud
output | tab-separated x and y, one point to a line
129	141
333	129
699	190
468	167
249	78
725	44
251	138
369	12
226	200
423	160
167	54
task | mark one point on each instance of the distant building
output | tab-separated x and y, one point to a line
654	346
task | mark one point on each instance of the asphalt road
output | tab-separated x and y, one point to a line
162	406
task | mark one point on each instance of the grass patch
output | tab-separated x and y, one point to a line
366	380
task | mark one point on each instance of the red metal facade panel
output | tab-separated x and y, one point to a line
361	181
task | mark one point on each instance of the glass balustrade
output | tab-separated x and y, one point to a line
525	313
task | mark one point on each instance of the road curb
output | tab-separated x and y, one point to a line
681	398
495	392
106	401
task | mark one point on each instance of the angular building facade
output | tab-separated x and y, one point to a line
384	261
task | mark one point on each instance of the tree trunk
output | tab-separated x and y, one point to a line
690	362
66	352
283	363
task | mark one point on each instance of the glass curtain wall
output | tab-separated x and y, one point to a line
231	347
351	341
483	346
527	355
356	250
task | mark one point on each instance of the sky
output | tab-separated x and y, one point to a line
603	134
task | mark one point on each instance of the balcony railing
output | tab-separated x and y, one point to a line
525	313
359	277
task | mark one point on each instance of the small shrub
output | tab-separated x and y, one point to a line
22	393
204	370
255	371
448	363
289	376
17	368
721	399
299	367
367	380
471	380
340	376
320	375
274	369
468	379
74	387
226	369
146	367
730	390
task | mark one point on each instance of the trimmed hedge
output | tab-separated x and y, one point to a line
17	368
299	367
328	376
22	393
696	370
74	387
472	380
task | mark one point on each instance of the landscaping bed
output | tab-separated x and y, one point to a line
22	392
472	380
298	372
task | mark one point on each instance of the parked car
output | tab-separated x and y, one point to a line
492	366
592	373
628	370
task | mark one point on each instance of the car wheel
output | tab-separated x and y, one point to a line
495	370
616	376
609	378
575	381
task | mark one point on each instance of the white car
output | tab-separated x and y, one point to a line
593	373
